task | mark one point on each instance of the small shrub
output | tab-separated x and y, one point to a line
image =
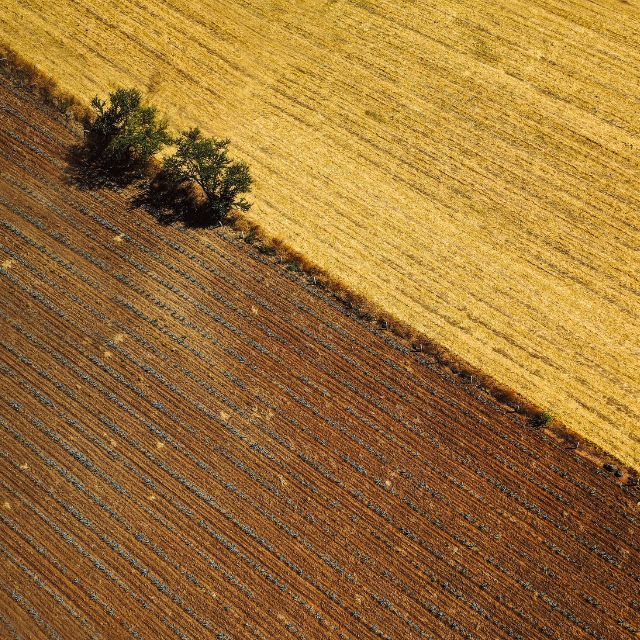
267	250
251	237
544	419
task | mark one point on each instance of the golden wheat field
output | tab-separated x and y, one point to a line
471	166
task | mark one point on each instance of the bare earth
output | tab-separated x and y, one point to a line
471	166
195	445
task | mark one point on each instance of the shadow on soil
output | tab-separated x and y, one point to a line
169	203
86	171
151	190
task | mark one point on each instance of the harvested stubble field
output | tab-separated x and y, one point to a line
470	166
196	444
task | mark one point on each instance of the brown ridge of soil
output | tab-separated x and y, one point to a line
197	443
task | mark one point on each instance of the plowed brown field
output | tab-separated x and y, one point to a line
196	445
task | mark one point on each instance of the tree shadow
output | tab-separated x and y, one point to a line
87	169
201	218
169	203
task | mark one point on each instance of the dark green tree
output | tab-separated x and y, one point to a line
205	162
126	131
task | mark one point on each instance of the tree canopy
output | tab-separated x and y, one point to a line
126	131
205	161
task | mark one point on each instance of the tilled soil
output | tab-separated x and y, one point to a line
196	444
